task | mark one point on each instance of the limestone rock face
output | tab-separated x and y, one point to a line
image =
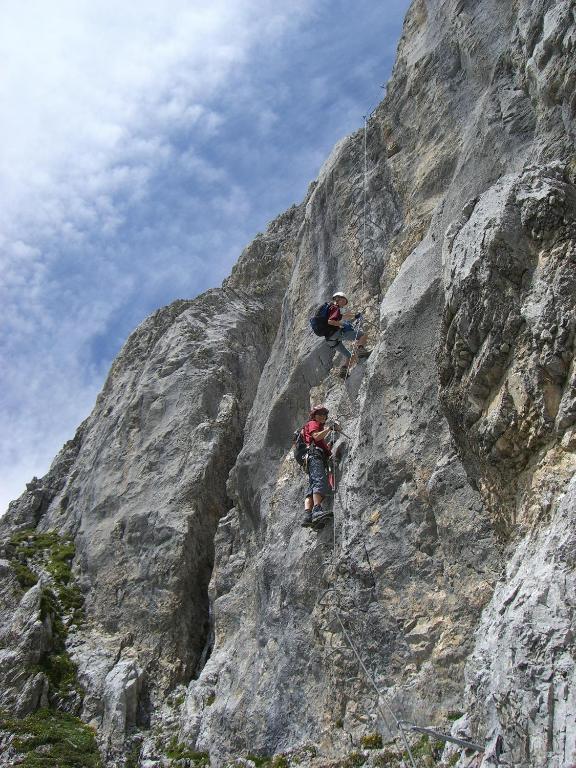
445	586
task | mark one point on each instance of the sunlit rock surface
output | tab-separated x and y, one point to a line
212	619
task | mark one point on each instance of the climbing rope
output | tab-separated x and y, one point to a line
429	731
370	678
402	726
354	343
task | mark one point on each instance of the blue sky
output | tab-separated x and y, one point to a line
142	146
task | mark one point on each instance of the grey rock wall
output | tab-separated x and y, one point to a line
212	618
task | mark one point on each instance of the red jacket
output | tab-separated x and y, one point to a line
334	313
309	429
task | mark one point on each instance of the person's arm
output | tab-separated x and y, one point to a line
324	432
345	316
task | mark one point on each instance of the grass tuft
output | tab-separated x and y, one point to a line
178	751
26	578
354	760
372	741
51	739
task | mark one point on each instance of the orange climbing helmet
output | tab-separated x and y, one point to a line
318	409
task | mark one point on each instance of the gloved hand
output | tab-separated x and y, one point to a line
358	315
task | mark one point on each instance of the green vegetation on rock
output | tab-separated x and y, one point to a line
50	739
372	741
35	554
178	751
133	756
32	552
426	751
260	761
387	759
25	577
354	760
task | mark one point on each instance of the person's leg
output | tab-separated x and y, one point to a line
345	356
308	504
320	487
359	339
362	352
335	343
318	478
352	335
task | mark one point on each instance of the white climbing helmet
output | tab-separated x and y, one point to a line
340	295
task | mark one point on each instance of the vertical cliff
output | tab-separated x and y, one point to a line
211	619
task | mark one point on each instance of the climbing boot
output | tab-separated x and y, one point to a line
320	517
342	372
364	353
306	521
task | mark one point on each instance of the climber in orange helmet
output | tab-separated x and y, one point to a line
315	432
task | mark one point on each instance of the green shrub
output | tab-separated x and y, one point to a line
60	571
133	756
71	599
260	761
178	751
387	759
354	760
424	748
52	553
31	542
26	578
50	739
60	671
50	608
372	741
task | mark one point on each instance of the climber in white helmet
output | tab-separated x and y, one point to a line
345	331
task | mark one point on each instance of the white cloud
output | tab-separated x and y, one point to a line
141	146
91	93
91	84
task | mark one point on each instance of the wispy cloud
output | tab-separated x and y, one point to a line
141	146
